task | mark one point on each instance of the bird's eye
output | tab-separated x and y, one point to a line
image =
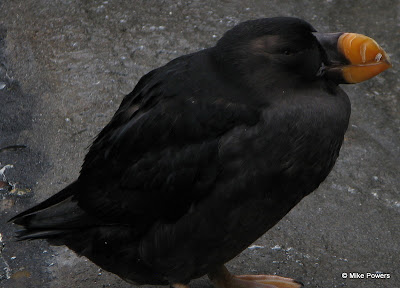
287	52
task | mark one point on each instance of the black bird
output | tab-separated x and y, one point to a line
209	152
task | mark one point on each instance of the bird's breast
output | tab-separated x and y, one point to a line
297	140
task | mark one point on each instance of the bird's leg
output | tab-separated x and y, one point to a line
221	278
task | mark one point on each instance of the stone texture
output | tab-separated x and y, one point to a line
64	68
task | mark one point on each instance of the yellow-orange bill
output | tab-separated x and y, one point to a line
367	59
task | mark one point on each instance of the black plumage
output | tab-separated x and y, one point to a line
204	156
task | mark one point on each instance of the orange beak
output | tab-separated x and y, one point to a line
367	59
351	57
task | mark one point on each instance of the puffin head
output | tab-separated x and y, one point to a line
286	50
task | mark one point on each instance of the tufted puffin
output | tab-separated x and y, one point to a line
209	152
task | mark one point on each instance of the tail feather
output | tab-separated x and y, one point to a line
39	234
53	217
53	200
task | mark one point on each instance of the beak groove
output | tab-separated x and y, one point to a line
366	58
353	57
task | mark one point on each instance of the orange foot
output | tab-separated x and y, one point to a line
221	278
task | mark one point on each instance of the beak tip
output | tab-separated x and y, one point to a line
366	58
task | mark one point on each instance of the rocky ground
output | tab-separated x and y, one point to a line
65	66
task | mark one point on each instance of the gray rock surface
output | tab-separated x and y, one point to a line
65	66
